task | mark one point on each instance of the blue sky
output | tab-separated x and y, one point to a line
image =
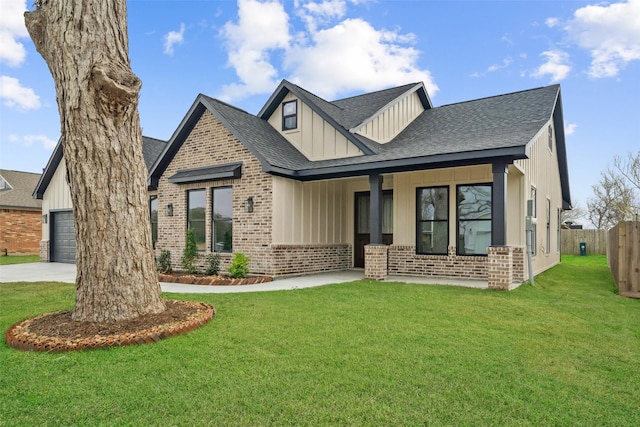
238	51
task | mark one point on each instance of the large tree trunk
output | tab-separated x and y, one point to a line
85	45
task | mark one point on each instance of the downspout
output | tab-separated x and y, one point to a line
530	222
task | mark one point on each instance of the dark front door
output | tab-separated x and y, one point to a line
361	229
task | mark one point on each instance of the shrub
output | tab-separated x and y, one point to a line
163	262
239	266
213	261
190	253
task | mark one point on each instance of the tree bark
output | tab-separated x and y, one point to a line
85	45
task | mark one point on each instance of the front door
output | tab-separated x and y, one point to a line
361	229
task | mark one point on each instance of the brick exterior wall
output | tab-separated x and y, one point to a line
20	231
210	143
500	267
518	264
303	259
403	260
376	261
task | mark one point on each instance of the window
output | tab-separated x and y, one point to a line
550	138
548	226
534	227
222	219
153	209
196	215
290	115
474	219
432	217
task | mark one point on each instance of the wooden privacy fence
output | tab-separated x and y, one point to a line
623	256
596	241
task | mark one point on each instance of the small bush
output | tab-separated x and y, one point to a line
239	266
213	262
190	253
163	262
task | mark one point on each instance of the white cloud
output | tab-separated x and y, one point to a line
570	128
611	34
29	140
262	28
320	13
372	59
173	38
317	57
551	22
17	96
12	28
505	63
556	66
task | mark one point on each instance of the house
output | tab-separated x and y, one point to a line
20	214
383	181
58	242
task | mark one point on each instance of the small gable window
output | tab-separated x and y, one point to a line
290	115
550	138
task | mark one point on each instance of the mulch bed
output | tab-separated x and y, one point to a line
58	332
191	279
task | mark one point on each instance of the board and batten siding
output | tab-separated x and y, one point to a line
404	197
309	212
542	172
56	197
314	137
389	123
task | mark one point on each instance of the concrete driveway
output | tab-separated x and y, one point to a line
60	272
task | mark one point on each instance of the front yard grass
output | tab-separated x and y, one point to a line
565	352
18	259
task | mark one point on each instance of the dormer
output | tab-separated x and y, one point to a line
387	122
349	127
314	136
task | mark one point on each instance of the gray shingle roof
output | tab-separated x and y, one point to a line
472	132
151	149
19	195
508	121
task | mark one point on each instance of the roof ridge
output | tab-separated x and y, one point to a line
500	95
12	170
226	104
374	92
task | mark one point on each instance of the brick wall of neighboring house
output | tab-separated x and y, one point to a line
210	143
20	231
404	260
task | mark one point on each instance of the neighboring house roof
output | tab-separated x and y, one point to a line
466	133
151	149
17	193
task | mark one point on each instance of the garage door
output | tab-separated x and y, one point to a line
63	245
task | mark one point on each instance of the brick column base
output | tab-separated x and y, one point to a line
500	267
375	262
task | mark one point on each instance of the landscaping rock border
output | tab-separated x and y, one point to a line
190	279
19	336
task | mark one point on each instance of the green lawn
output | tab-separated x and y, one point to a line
18	259
565	352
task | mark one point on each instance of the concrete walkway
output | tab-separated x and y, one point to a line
60	272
